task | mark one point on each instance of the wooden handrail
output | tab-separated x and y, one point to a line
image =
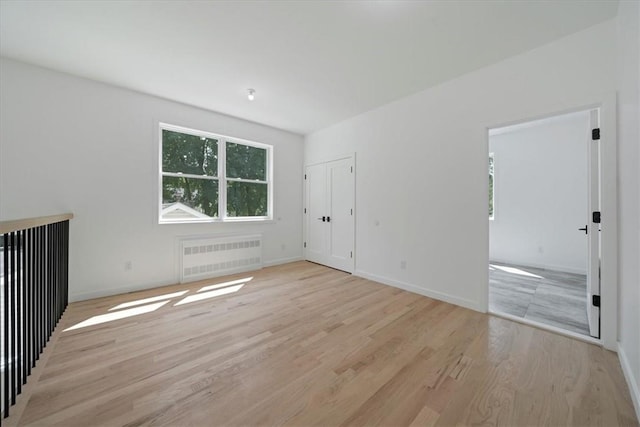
21	224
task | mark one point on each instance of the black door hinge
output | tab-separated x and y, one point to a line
595	134
595	300
351	254
305	176
596	217
305	244
305	210
351	169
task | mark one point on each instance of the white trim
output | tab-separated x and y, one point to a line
280	261
189	175
609	225
305	204
559	331
250	181
492	156
441	296
83	296
221	141
351	155
606	103
632	382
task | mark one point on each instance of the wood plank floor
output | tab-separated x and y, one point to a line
301	344
551	297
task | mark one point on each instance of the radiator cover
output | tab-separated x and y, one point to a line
212	256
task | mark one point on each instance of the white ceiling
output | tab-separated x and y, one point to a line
312	63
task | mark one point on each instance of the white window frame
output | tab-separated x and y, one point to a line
221	177
492	215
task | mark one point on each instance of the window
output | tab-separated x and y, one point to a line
491	187
207	177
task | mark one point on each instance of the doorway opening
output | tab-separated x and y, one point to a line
544	203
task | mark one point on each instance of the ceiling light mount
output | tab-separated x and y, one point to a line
251	94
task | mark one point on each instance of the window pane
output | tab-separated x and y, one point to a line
246	199
244	161
189	198
190	154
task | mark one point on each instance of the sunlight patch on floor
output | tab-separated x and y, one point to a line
143	306
207	295
225	284
122	314
148	300
513	270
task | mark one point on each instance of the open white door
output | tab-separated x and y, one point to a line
593	228
316	213
340	207
329	214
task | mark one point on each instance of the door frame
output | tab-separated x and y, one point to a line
606	103
346	156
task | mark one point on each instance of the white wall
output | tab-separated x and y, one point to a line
73	145
629	189
540	195
421	162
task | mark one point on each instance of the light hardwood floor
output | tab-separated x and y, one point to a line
301	344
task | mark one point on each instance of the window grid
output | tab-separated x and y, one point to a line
222	215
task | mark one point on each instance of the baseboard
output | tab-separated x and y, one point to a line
281	261
75	297
463	302
632	382
116	291
540	266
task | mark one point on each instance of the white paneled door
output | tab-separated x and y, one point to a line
329	213
593	229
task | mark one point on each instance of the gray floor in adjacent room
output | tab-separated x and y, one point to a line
551	297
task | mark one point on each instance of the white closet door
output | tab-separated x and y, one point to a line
340	198
329	214
316	245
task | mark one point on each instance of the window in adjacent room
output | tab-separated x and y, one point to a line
211	178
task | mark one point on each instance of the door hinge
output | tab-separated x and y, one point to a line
305	244
305	176
305	210
351	254
351	211
351	169
596	217
595	134
595	300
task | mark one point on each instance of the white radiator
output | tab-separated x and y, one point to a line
213	256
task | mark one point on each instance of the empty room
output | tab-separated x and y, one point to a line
253	213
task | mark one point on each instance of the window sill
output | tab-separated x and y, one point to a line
219	221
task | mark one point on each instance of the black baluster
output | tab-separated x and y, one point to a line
12	315
18	319
25	331
7	329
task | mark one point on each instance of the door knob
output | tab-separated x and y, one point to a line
584	229
323	219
